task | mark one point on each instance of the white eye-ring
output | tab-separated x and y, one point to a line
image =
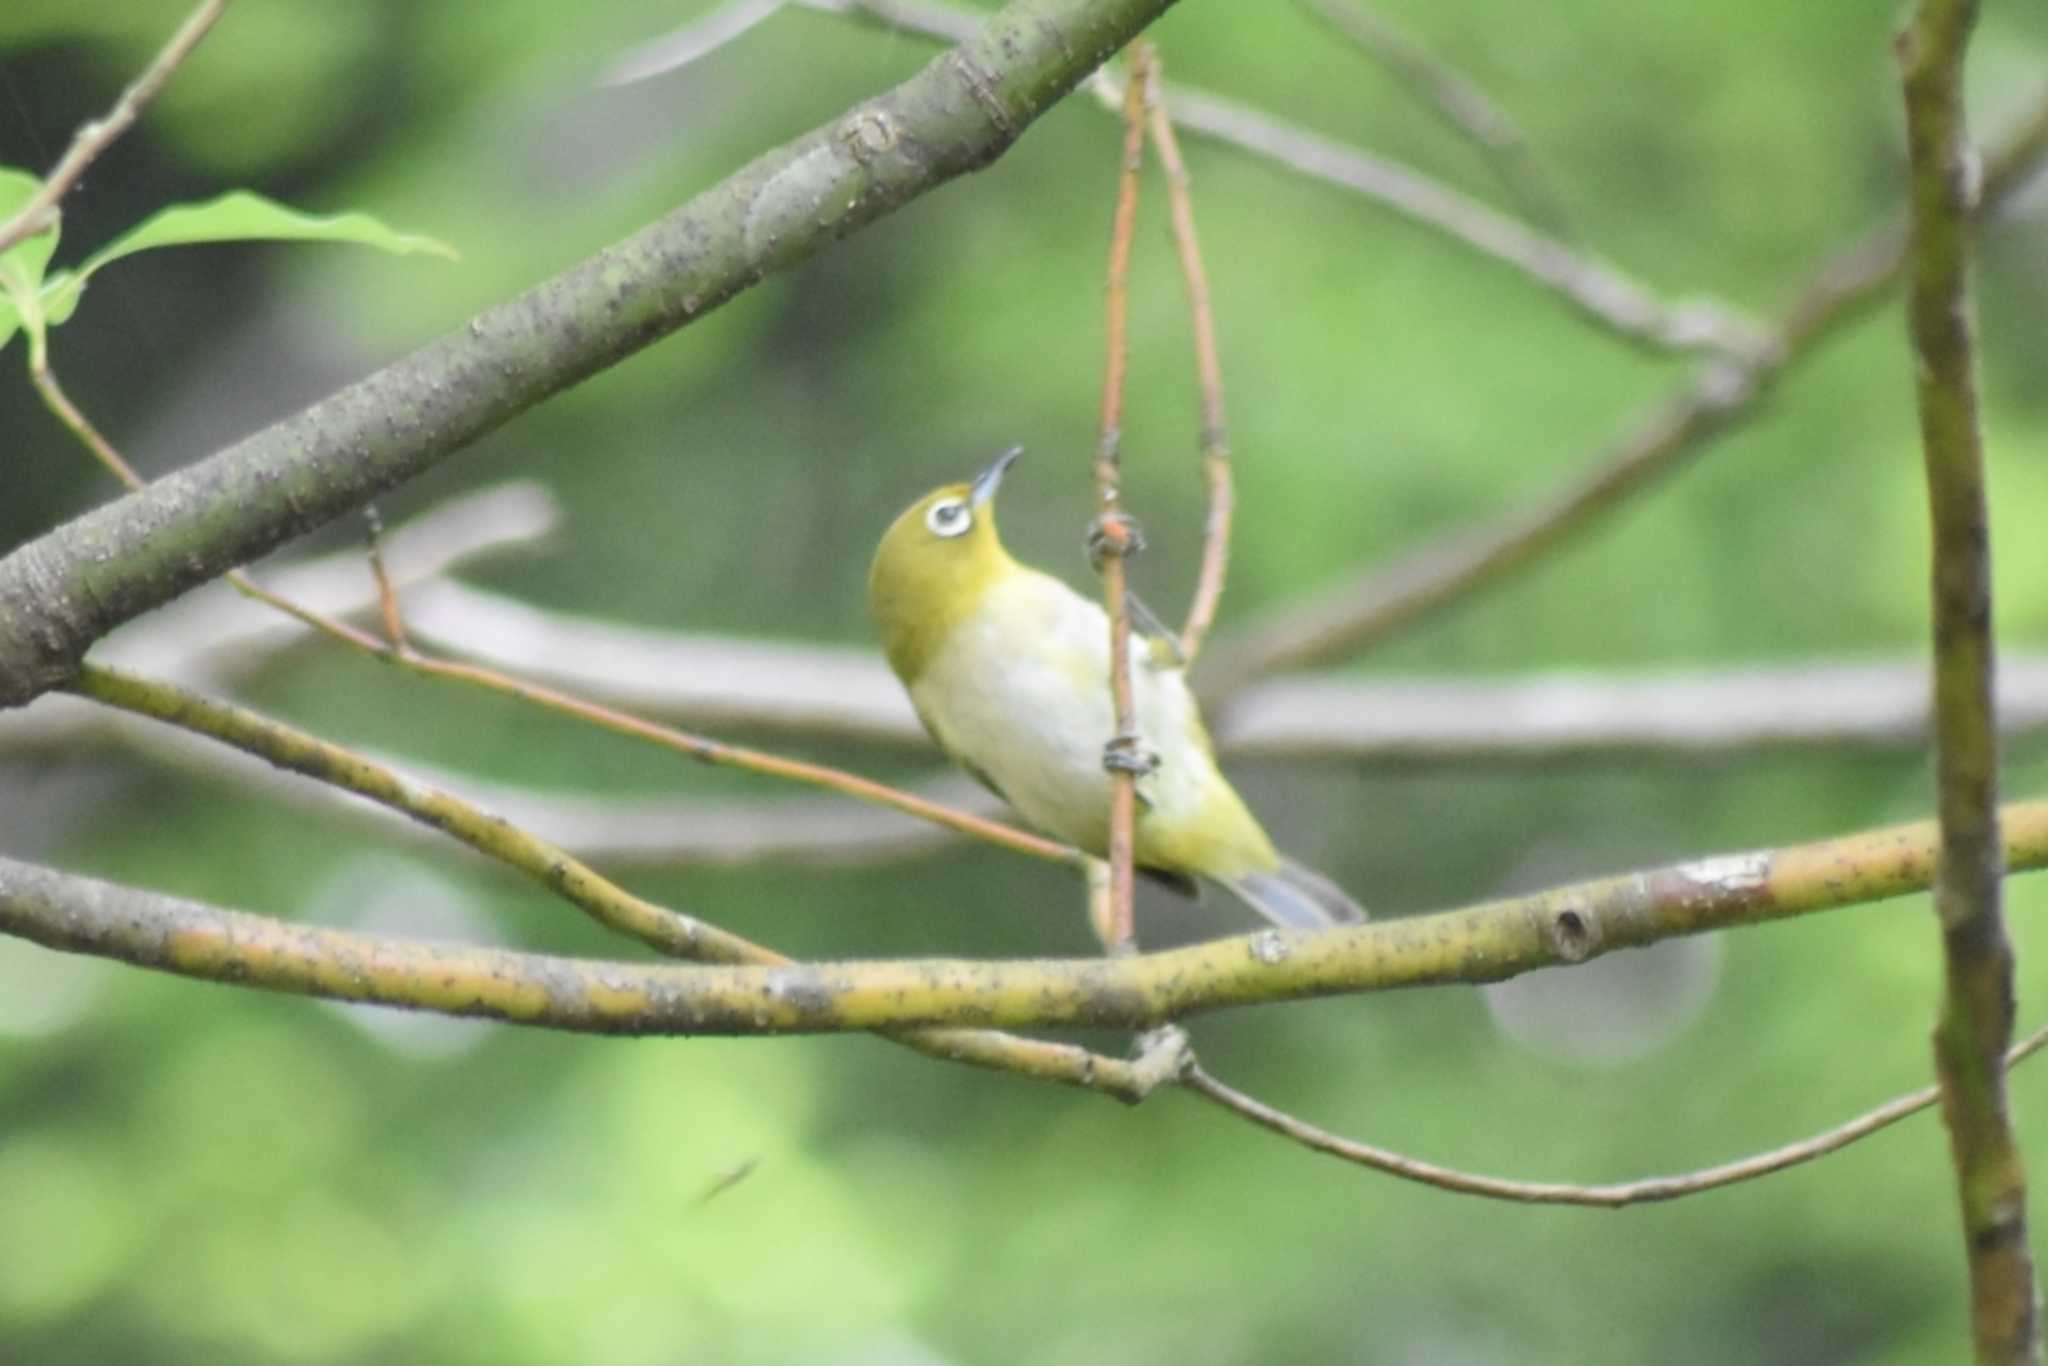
949	517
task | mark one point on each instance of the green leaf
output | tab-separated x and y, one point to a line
60	297
22	266
19	303
29	257
237	216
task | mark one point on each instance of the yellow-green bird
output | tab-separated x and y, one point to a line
1009	670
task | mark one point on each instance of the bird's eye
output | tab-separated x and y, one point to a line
949	517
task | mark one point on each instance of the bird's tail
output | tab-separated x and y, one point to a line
1295	897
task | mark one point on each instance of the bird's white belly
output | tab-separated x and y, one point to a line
1020	690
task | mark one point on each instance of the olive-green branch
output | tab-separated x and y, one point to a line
610	905
1975	1023
1479	944
66	589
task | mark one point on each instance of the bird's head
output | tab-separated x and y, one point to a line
934	563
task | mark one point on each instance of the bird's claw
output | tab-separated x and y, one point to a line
1115	532
1127	754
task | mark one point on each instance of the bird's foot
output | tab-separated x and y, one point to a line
1126	753
1116	533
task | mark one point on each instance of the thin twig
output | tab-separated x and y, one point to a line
616	830
94	138
1369	607
1608	1196
664	930
215	636
296	751
1215	436
59	403
1456	100
387	595
689	42
1976	1015
945	23
1365	610
1598	289
1112	536
723	755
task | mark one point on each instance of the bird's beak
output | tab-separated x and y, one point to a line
990	479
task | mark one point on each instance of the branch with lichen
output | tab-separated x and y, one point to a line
270	953
1483	943
666	931
1975	1022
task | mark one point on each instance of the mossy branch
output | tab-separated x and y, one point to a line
68	588
1482	943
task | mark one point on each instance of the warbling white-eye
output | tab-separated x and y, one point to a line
1009	670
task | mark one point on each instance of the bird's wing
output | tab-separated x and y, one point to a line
1162	645
974	770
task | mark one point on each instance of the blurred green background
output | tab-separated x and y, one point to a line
190	1173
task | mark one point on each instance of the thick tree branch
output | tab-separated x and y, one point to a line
1975	1024
63	591
1483	943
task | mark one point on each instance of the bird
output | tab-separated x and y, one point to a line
1008	668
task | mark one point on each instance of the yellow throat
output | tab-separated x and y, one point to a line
927	577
